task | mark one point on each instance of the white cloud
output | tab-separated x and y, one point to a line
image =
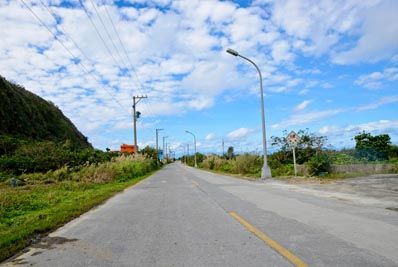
177	51
380	102
375	80
210	137
348	31
306	118
303	105
281	51
381	126
379	36
303	91
239	133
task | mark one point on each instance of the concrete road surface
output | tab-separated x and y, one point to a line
186	217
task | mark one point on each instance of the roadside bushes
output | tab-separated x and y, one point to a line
213	162
42	156
246	164
190	160
119	169
278	168
319	165
250	165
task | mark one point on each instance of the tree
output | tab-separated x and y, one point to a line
309	145
393	152
372	147
149	152
230	152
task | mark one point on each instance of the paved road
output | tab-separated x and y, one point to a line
186	217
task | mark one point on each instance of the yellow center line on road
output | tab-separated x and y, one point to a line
269	241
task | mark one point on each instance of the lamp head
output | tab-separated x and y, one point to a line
232	52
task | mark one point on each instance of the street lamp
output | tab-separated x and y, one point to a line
157	144
265	171
164	138
194	140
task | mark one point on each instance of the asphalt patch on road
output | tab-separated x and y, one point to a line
392	208
50	242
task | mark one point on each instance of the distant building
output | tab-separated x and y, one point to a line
131	149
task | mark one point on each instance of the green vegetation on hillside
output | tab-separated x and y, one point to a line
22	156
29	117
36	137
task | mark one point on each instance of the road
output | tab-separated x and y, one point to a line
182	216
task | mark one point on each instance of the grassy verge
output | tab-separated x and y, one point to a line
238	176
42	205
293	179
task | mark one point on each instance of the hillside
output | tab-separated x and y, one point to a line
26	115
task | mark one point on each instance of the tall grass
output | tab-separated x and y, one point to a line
245	164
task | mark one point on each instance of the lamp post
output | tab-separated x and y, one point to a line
157	144
164	138
265	171
194	140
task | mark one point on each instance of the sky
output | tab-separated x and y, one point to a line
330	66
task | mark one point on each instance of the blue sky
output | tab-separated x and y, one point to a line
329	66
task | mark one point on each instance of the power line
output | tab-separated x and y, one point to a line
98	33
65	33
63	30
107	32
68	50
101	37
125	52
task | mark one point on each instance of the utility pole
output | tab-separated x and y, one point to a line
164	152
136	115
183	155
222	142
194	141
157	143
170	153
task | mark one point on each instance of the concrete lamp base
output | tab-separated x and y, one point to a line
265	172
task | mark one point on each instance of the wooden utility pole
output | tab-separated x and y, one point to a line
136	115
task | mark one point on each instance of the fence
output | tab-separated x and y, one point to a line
356	168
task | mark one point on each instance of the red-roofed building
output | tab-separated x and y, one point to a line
131	149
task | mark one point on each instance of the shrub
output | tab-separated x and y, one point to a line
247	164
120	169
342	158
214	162
283	170
43	156
190	160
319	164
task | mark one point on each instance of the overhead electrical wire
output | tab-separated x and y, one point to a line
107	32
125	52
101	37
70	52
